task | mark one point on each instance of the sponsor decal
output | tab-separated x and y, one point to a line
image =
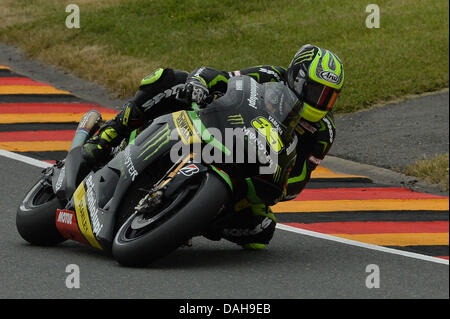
236	232
330	129
307	126
158	97
92	205
65	217
82	215
253	94
270	72
62	173
185	128
132	171
269	132
236	119
66	223
314	160
260	144
304	57
189	170
276	124
160	138
329	76
199	71
292	146
126	116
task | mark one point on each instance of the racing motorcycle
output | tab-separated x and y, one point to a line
148	200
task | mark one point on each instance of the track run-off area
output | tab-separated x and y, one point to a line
38	121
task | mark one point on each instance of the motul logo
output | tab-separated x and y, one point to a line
65	218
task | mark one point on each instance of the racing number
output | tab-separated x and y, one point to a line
270	133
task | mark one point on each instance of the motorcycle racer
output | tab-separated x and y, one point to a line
315	75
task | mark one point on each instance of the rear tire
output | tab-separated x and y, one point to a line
36	216
193	212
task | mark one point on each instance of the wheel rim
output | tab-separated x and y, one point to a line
42	196
138	224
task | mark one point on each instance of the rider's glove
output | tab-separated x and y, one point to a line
194	91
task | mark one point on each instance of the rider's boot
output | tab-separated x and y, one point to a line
261	223
251	227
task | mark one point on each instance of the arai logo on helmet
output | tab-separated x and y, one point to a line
329	76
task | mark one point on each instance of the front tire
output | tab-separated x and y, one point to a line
36	215
189	213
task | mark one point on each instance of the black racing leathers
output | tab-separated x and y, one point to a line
156	96
314	139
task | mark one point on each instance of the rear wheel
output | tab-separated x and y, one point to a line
144	238
36	215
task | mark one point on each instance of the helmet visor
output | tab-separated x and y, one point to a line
320	96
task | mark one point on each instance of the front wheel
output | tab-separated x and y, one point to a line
36	215
143	239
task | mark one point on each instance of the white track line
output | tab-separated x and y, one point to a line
361	244
24	159
42	164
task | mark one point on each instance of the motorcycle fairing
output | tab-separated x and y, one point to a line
66	223
87	218
97	198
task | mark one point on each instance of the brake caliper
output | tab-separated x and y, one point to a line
150	202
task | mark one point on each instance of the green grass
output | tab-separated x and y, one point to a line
433	171
120	42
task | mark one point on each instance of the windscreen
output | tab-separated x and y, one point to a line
282	104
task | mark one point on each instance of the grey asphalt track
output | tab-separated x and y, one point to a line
293	267
395	135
